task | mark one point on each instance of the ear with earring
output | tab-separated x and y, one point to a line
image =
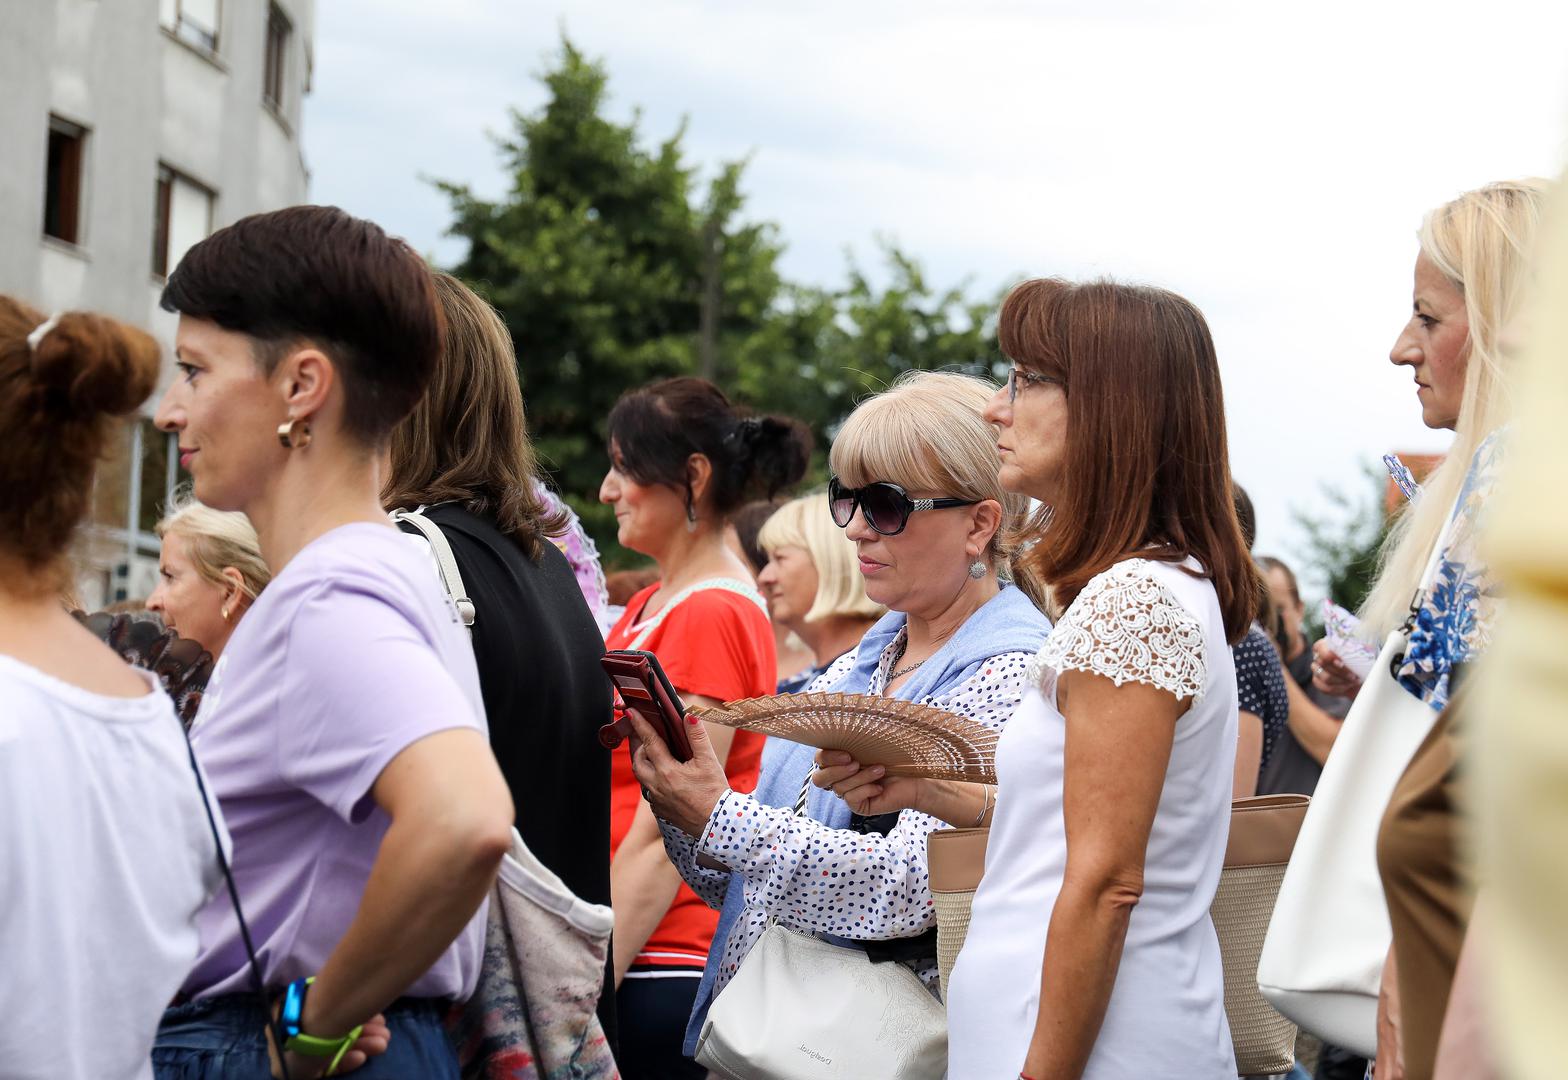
294	434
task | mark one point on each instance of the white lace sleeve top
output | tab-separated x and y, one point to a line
1140	621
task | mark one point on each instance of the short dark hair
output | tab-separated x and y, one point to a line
658	427
319	274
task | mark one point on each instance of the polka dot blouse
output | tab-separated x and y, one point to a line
815	879
1260	686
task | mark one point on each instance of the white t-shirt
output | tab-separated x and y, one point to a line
106	855
1150	622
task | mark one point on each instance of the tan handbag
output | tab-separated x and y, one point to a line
1262	834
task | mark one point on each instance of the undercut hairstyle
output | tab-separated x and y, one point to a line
58	398
807	523
319	276
1147	469
654	430
467	439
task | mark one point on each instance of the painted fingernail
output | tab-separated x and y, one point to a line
692	720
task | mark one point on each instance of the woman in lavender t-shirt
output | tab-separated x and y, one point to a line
342	731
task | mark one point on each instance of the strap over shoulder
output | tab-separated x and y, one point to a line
1128	626
451	579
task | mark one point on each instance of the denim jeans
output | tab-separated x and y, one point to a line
221	1039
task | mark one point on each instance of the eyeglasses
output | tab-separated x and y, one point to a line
1029	379
887	506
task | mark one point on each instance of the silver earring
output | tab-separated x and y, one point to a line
977	569
691	517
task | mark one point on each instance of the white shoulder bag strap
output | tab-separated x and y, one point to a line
451	579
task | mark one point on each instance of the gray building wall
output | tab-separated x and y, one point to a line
147	98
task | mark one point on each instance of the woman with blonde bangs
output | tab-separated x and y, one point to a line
813	585
210	571
915	488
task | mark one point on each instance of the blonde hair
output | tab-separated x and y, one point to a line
216	540
1482	242
806	523
928	432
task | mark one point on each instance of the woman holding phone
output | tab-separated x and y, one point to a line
682	459
915	488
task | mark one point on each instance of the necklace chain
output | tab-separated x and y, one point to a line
898	672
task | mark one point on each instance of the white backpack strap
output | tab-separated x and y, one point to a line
451	580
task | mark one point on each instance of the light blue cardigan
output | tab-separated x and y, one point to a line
1009	622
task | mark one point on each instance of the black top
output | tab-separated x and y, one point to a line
1260	686
537	648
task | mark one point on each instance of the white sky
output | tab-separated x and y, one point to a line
1270	162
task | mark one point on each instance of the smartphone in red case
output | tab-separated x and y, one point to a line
644	689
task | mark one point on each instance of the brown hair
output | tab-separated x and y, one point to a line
659	426
1147	469
467	440
320	275
56	400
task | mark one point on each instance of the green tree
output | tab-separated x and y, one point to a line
1341	546
613	266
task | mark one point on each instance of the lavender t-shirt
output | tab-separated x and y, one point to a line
349	656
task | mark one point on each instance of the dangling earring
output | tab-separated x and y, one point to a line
691	517
224	611
977	569
294	434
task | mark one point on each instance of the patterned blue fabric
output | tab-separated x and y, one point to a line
1260	687
1454	621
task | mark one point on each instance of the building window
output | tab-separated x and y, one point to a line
194	22
278	31
181	218
63	181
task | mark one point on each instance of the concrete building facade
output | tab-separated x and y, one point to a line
131	129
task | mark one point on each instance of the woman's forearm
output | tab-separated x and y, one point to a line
643	884
426	884
1083	950
961	805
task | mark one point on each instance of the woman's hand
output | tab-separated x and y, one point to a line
683	793
867	789
372	1042
1329	673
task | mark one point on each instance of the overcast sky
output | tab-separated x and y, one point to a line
1269	161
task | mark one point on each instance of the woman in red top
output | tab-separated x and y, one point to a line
681	460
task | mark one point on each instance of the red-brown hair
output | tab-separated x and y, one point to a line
1147	469
56	401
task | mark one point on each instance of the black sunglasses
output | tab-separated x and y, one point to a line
887	506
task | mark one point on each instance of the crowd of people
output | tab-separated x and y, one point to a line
404	627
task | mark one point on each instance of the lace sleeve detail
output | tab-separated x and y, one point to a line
1127	626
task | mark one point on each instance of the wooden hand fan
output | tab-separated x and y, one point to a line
905	738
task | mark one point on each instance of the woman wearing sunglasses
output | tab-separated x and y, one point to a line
915	487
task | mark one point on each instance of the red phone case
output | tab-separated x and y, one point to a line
644	689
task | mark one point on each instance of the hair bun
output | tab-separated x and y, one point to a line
91	365
775	451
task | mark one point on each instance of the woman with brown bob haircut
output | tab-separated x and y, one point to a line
1090	952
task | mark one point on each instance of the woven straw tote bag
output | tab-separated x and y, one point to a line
1262	833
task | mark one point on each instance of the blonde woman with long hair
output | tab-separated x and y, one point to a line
1470	278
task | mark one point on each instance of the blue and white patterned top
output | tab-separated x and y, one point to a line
1455	620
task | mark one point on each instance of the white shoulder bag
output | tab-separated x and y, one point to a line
801	1008
1323	957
